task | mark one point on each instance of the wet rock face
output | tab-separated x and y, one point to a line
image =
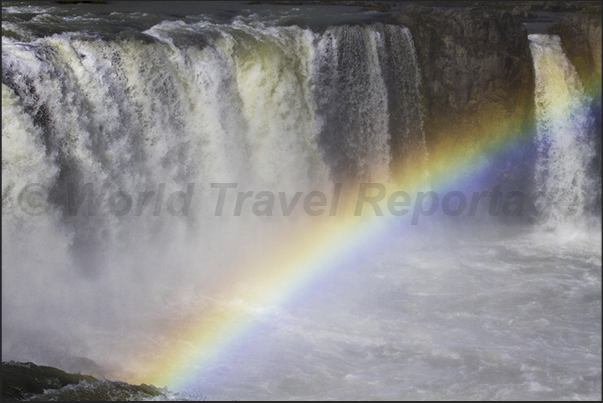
581	39
476	67
523	12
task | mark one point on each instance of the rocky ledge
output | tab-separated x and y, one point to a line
581	39
28	381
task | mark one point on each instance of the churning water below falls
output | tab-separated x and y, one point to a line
162	118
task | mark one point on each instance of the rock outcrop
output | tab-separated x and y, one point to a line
581	39
477	74
523	12
28	381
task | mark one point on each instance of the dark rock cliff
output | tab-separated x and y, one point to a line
477	73
581	39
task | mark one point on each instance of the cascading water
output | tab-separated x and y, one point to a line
268	108
402	78
353	97
117	112
368	99
565	146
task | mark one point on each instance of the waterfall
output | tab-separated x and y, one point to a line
353	100
88	119
564	147
200	103
162	164
369	100
402	76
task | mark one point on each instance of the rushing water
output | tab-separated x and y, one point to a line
565	148
283	100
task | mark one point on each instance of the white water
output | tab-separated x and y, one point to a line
187	103
460	312
563	126
501	315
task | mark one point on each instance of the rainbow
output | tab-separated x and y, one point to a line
299	262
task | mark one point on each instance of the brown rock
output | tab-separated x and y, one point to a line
581	39
477	74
